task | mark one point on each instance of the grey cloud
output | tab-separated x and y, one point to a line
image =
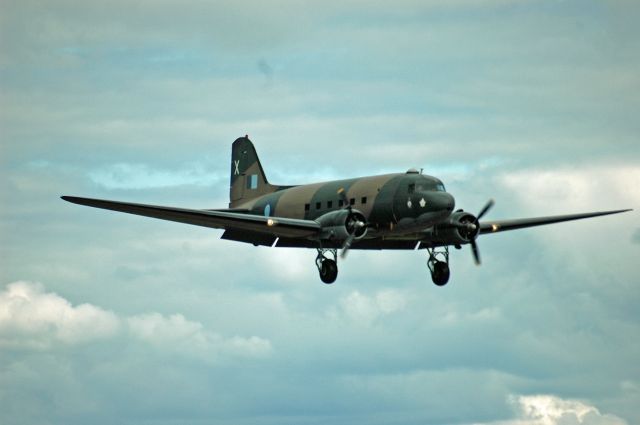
141	176
512	109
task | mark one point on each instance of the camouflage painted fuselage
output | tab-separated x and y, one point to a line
395	206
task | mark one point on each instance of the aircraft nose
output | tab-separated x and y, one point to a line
444	201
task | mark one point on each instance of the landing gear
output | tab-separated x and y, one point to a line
438	264
327	267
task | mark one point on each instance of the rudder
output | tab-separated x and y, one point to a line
248	179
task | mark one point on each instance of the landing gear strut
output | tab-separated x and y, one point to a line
327	267
438	264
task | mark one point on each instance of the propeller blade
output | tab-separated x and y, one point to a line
343	196
356	225
476	252
347	243
346	246
486	208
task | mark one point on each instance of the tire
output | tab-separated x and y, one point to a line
328	271
441	273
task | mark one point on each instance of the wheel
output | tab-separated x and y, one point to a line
441	273
328	271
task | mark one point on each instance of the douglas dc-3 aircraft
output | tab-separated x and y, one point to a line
392	211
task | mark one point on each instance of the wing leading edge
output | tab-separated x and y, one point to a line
504	225
278	226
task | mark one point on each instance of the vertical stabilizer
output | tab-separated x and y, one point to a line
248	180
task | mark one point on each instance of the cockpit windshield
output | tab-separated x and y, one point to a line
427	186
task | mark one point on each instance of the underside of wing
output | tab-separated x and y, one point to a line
218	219
504	225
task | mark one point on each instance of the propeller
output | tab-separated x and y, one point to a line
486	208
352	223
475	226
356	225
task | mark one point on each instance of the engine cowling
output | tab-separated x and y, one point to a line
461	227
341	224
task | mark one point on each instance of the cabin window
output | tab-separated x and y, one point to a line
318	205
329	204
364	200
352	201
340	203
412	188
306	207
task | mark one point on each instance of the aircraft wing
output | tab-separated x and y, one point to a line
217	219
504	225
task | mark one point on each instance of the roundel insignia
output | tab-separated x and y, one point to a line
267	210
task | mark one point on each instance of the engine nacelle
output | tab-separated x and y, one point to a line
342	224
460	228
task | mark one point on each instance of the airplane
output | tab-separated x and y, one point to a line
397	211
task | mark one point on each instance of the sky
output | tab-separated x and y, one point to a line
111	318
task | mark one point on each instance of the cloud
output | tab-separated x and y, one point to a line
542	191
184	336
142	176
602	185
224	24
365	309
31	317
552	410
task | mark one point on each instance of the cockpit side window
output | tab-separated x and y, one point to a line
412	188
440	187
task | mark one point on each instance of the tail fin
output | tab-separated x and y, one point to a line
248	180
